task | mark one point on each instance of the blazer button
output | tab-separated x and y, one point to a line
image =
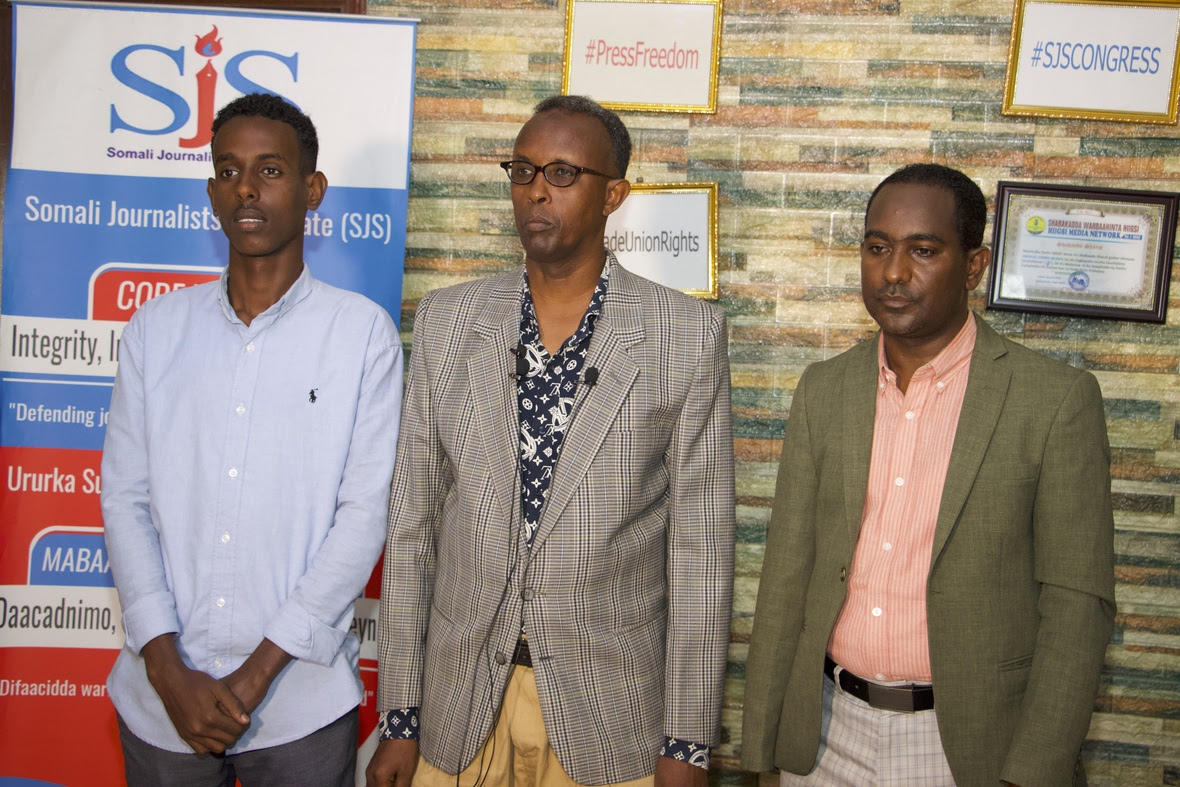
528	594
501	658
843	574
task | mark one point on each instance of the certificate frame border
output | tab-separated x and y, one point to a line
1166	233
702	109
1085	113
711	188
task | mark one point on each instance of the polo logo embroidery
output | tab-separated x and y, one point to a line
311	395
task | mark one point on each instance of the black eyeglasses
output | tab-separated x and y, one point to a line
558	173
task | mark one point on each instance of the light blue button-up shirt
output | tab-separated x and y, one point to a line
245	487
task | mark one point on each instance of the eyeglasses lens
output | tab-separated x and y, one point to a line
520	173
559	174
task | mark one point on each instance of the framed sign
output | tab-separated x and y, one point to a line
1085	252
668	233
654	55
1094	59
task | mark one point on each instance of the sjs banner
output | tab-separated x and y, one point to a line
105	208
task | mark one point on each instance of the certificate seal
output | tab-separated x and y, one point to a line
1079	280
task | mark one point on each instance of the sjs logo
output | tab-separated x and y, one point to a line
208	47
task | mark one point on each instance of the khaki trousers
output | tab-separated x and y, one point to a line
518	753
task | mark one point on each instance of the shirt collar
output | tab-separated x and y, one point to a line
294	294
529	330
950	358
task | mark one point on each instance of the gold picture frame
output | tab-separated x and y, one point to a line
1094	60
602	63
655	233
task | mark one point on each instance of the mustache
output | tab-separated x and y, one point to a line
894	291
248	212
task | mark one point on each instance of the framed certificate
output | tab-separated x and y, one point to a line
1080	251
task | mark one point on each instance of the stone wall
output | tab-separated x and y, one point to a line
819	99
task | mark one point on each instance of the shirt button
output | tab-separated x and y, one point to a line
880	676
876	612
221	602
881	386
216	662
250	347
225	538
897	481
886	546
909	416
940	385
241	408
233	473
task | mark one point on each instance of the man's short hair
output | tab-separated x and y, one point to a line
620	140
272	107
970	205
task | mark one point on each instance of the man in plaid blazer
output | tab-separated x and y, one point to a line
559	565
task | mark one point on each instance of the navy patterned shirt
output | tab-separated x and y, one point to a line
545	401
545	398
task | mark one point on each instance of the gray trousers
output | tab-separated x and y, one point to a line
325	758
862	746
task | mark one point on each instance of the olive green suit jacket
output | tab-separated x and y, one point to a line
1020	596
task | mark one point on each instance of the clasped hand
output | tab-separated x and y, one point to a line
208	714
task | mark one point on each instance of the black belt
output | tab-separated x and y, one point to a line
521	655
905	699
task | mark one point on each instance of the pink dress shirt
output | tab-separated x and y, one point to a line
881	632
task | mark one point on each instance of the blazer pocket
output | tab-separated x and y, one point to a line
1007	473
635	451
635	416
1012	676
1016	663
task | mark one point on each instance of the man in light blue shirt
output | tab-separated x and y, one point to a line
245	487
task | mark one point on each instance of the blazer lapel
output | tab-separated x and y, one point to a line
619	328
493	389
860	409
987	386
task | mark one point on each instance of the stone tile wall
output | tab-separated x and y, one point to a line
819	99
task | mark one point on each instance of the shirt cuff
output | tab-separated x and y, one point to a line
401	724
148	618
302	636
692	753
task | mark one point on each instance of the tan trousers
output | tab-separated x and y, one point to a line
518	753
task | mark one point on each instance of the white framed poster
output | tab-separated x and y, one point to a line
1094	59
654	55
667	232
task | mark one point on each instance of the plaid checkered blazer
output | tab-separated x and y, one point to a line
625	594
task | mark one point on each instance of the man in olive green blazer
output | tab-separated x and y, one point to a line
1019	597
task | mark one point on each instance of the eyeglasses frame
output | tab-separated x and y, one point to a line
505	165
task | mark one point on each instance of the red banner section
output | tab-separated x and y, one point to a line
59	726
115	294
45	489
